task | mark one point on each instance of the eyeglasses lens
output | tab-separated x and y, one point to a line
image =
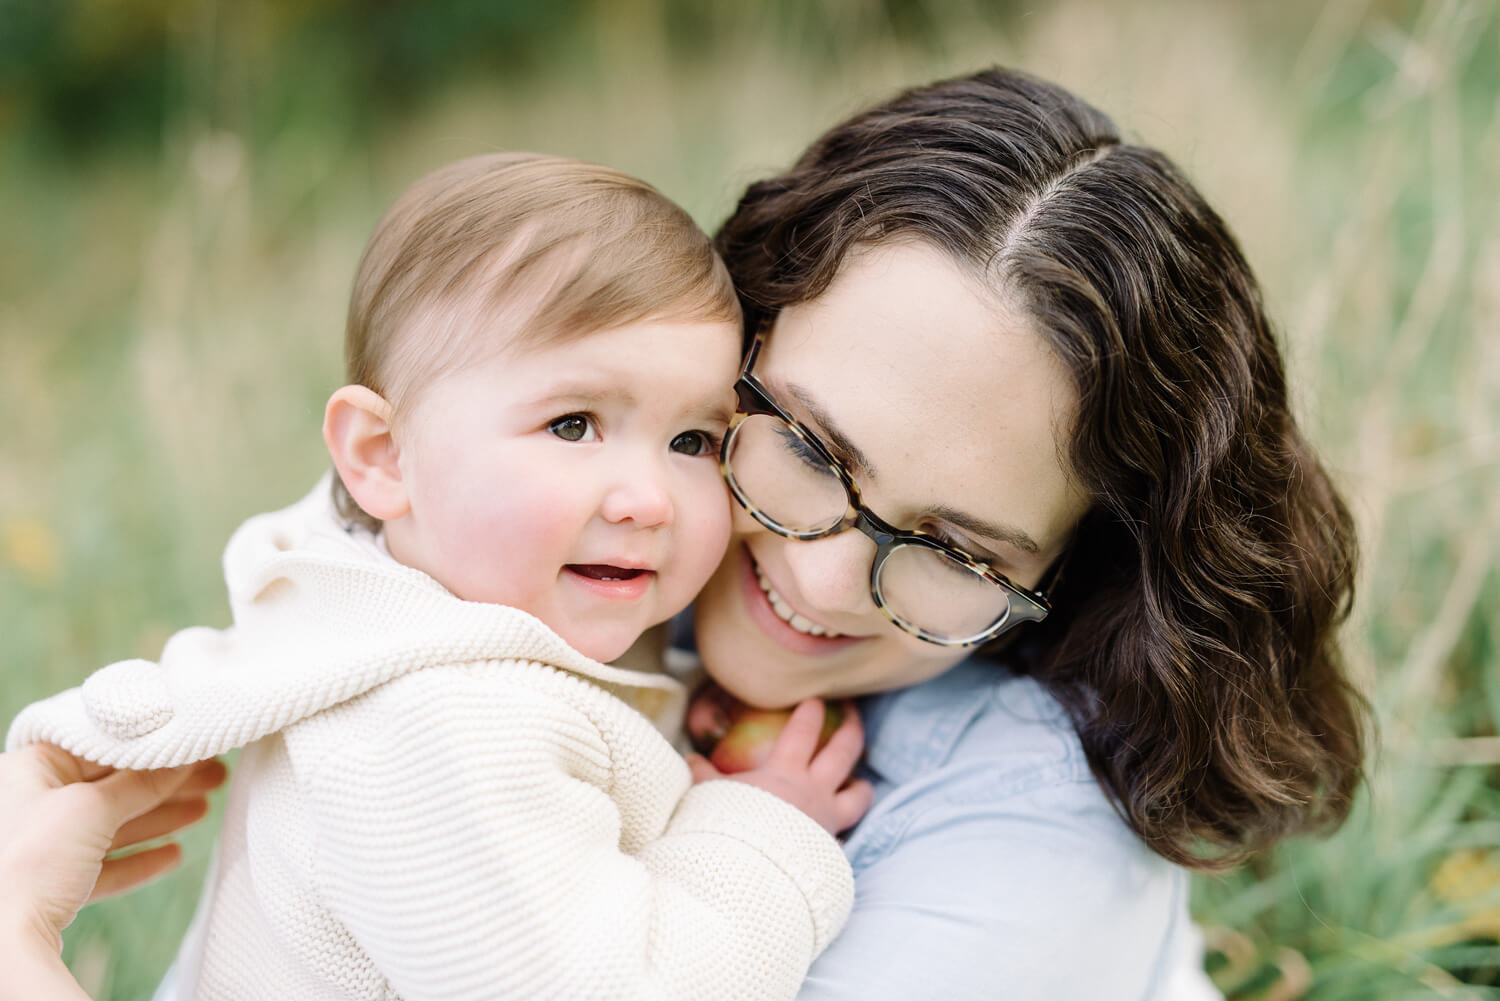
939	595
785	481
783	478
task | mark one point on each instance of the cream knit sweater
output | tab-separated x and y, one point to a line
441	799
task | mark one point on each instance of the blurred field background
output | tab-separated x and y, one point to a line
185	188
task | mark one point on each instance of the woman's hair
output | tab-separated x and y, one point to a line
1193	638
517	248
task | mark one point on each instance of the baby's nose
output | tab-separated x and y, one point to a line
642	499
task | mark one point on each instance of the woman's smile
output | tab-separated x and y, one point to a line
785	611
776	617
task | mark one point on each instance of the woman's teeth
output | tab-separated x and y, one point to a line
785	614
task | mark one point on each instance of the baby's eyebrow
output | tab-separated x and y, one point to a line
710	410
585	394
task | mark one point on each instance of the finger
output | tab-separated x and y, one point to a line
62	768
707	720
852	802
172	815
839	756
118	875
205	777
123	796
702	769
798	740
91	771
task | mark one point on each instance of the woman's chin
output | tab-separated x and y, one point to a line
757	694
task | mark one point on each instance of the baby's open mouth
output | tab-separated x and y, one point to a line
603	571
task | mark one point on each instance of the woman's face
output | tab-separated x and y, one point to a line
953	417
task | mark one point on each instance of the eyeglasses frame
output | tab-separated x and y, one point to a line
755	399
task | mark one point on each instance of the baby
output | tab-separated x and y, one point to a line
445	791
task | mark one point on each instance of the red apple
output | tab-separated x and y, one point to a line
737	737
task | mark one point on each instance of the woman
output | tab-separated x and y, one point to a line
1037	344
977	316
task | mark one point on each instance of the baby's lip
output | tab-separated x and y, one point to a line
608	571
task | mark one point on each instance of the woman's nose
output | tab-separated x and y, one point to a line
640	496
833	574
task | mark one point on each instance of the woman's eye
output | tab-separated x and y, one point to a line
573	427
794	445
958	569
694	443
955	542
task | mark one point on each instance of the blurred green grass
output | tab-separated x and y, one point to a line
182	226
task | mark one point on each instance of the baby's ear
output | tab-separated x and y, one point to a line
357	431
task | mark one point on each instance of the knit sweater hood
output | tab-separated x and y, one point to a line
299	646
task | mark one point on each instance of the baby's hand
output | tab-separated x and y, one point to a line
737	737
813	778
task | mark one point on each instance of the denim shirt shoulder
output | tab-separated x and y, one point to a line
992	863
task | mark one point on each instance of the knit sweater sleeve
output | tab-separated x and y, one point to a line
502	831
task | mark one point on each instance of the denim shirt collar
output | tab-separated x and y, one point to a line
927	718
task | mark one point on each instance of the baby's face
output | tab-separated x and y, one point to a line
577	481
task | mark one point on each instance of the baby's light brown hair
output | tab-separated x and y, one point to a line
517	249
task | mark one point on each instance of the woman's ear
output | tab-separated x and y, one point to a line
357	431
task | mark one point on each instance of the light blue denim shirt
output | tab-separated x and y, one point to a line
992	865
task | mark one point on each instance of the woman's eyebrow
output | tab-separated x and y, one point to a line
993	531
987	529
831	430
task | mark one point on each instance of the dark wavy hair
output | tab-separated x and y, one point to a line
1194	637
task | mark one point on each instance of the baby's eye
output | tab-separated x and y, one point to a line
695	443
574	427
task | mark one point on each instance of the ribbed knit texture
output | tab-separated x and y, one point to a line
441	799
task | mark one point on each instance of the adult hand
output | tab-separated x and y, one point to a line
60	816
